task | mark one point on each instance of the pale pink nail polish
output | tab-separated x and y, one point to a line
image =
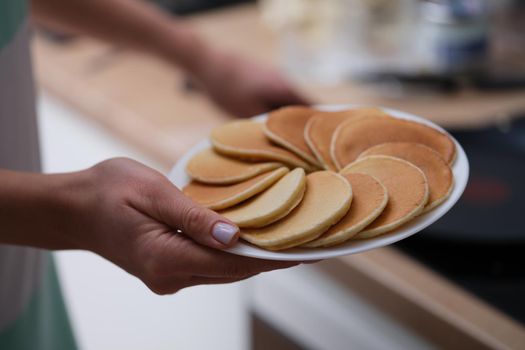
224	232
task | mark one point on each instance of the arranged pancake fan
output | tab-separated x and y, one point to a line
220	197
285	126
355	136
272	204
398	173
438	173
405	184
246	140
327	199
369	198
321	126
213	168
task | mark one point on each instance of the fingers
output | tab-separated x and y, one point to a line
249	108
196	280
290	93
309	262
169	257
201	224
171	285
200	280
283	95
179	212
291	97
189	257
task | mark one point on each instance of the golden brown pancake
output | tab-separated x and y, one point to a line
272	204
406	186
285	126
437	171
369	199
326	200
321	126
245	139
353	137
211	167
221	197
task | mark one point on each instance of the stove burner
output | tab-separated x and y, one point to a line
480	243
493	205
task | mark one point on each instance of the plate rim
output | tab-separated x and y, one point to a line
460	169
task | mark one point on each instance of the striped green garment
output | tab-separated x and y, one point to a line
32	311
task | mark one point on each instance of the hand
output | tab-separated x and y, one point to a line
244	88
134	217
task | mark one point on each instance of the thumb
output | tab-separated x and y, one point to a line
284	95
198	223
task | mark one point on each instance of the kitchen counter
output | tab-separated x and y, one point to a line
146	102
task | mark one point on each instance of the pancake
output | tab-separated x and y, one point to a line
211	167
221	197
271	205
326	200
321	126
245	139
369	199
285	126
353	137
406	186
437	171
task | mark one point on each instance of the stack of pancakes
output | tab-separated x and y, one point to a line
316	179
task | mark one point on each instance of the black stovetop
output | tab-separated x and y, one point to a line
480	243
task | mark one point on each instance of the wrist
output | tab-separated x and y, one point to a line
39	210
71	203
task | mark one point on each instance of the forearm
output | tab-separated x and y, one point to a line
129	23
36	210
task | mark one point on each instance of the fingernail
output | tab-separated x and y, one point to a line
224	232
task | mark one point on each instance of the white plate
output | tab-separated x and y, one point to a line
460	168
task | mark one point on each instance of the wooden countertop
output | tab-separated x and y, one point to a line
142	100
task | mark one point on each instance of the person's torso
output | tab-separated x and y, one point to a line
28	284
18	127
19	267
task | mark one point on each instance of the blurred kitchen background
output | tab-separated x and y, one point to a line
458	285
